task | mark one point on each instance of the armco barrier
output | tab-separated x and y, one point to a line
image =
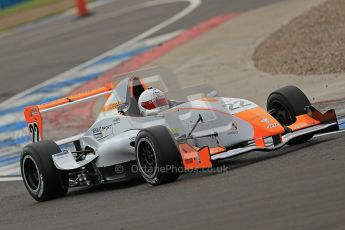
8	3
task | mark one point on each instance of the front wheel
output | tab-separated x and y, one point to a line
40	176
285	104
157	156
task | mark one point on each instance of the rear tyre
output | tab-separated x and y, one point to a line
157	156
40	176
285	104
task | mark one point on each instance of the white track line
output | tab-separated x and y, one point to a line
6	179
193	4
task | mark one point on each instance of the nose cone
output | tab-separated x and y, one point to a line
263	123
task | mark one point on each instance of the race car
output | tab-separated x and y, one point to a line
130	128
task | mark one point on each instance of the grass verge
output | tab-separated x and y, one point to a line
24	6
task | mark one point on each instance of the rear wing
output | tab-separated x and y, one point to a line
64	117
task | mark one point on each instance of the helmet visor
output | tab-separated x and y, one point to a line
159	102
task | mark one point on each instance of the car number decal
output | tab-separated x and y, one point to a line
34	132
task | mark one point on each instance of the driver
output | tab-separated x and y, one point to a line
152	101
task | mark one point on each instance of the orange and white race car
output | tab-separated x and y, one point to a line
133	128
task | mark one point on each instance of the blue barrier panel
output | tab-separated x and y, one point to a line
8	3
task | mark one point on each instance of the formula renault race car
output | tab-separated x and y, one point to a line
102	136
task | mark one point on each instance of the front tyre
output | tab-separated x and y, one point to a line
285	104
157	156
40	176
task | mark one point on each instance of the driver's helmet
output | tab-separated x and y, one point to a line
152	101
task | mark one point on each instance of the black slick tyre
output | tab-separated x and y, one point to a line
157	156
40	176
285	104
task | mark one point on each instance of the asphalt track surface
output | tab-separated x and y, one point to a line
300	187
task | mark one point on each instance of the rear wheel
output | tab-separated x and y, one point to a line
157	156
40	176
285	104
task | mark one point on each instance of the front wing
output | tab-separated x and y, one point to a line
313	122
